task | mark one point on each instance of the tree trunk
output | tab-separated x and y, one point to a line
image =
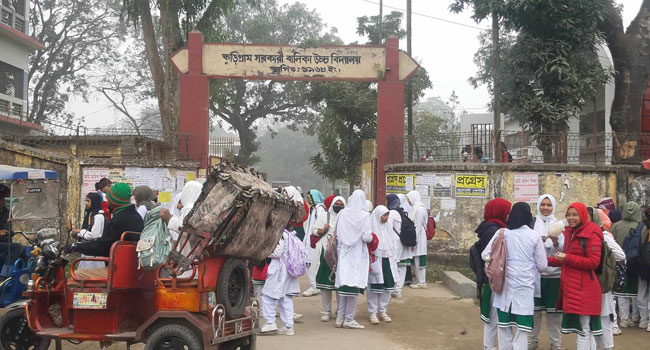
248	146
630	50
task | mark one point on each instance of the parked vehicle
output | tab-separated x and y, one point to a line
238	216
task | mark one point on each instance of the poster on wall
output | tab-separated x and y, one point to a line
471	185
400	183
90	177
526	187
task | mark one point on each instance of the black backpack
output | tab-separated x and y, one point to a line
407	233
632	249
477	265
644	261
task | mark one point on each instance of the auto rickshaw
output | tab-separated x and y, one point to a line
32	202
199	299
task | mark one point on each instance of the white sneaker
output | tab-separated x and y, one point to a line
373	319
310	292
396	295
643	324
648	329
269	327
325	317
626	323
415	286
352	325
423	286
616	330
297	316
286	331
384	317
339	322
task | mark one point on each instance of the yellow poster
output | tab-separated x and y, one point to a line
191	176
471	185
164	197
400	183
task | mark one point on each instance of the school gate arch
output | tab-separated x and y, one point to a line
199	62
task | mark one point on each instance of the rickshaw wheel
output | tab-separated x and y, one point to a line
174	337
233	287
16	335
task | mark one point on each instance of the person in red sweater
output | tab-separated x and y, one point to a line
580	295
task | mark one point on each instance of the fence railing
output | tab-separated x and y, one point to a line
524	147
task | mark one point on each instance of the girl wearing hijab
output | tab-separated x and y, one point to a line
404	254
189	195
280	288
324	276
525	258
608	310
384	269
176	205
631	217
404	203
317	220
419	216
549	283
495	215
144	200
352	232
102	187
580	294
92	227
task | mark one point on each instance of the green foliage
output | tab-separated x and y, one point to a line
350	117
244	104
391	25
350	113
549	62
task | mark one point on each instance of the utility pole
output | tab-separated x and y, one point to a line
409	86
497	86
381	20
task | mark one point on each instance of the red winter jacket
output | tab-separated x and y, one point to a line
579	288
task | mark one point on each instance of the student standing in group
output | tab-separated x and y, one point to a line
384	269
419	216
325	277
495	215
279	289
549	281
352	233
608	309
580	294
627	298
525	258
92	226
102	186
403	254
317	218
144	200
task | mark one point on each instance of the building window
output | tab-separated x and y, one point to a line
11	81
12	13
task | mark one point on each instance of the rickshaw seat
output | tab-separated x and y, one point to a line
122	269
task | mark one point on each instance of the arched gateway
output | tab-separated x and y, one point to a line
386	65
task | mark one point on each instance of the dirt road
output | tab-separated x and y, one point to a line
424	319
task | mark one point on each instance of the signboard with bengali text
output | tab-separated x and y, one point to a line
471	185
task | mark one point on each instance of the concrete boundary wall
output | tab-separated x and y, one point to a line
459	216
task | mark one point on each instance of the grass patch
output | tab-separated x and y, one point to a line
434	271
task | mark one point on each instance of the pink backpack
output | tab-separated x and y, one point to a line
496	267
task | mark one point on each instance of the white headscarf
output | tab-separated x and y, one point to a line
333	214
404	204
369	206
175	200
543	223
191	192
383	232
354	220
416	201
293	194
